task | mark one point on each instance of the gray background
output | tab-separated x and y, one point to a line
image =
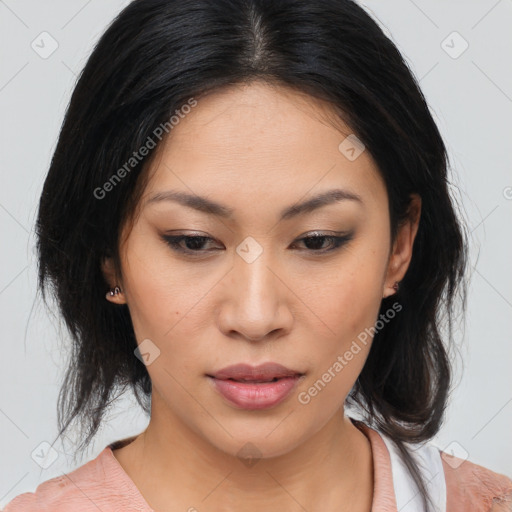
470	95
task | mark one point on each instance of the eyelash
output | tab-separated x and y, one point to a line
174	243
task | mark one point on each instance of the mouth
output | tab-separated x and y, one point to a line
261	387
275	379
267	372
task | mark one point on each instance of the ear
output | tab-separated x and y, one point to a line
108	270
401	252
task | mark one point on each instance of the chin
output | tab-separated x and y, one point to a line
269	439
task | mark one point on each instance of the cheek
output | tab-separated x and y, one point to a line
350	310
167	305
155	292
349	297
348	303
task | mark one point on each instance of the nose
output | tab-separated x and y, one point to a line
256	305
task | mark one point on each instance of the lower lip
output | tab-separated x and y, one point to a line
246	395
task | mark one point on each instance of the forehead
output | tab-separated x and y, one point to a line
258	141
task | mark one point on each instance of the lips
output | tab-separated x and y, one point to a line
266	372
255	387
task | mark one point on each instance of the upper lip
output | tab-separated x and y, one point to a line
265	371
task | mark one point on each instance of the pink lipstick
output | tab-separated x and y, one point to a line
255	387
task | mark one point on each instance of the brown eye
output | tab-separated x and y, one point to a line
187	244
316	243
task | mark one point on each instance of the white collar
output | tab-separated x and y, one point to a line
428	456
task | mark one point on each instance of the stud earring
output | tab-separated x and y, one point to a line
113	292
396	286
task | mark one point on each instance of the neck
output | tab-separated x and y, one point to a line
331	470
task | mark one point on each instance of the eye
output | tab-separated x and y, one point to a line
316	243
193	243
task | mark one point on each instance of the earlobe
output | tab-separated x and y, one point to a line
391	290
115	295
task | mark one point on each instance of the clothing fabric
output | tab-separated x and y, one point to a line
455	485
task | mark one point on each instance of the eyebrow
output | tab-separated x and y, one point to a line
206	205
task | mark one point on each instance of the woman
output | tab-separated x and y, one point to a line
247	221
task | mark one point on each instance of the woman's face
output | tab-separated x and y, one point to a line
253	290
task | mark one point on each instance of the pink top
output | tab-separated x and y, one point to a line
102	485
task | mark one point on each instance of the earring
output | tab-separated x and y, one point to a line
113	292
396	286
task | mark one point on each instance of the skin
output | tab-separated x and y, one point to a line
256	149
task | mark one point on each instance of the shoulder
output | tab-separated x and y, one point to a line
54	494
93	486
454	484
473	487
459	485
